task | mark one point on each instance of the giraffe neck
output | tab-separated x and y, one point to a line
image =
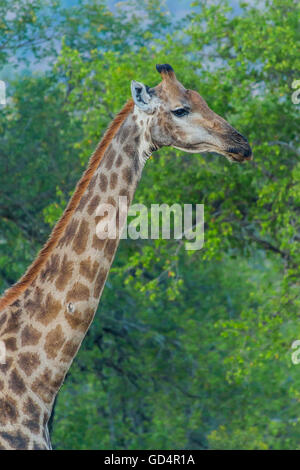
44	327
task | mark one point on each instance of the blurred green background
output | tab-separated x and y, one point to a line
189	350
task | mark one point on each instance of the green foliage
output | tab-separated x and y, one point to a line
188	349
26	30
36	155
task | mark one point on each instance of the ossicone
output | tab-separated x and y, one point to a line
164	68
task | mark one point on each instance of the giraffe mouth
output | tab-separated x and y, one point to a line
239	155
233	154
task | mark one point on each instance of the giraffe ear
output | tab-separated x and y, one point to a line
141	97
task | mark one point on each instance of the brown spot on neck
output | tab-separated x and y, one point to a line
80	240
78	292
28	362
16	383
65	275
89	269
30	336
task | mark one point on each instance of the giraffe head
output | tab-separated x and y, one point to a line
180	118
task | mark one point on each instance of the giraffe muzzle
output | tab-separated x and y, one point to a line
240	154
240	149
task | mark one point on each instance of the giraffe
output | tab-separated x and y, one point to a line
45	316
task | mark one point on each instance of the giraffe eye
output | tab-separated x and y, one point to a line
180	112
